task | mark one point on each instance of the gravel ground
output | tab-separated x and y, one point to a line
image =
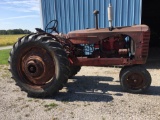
93	94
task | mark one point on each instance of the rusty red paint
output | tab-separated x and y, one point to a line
85	40
105	61
139	33
36	65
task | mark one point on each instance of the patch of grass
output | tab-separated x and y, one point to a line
36	100
19	99
9	39
25	106
50	106
6	75
4	55
30	100
54	118
15	90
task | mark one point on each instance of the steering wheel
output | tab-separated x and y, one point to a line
53	28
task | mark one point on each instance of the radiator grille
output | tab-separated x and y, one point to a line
145	45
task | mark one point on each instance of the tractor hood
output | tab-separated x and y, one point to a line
105	32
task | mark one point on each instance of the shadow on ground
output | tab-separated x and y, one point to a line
89	88
95	89
153	64
153	61
154	90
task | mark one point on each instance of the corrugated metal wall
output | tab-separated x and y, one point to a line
78	14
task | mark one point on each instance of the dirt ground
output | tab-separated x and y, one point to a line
93	94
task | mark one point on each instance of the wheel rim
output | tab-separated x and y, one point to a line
36	66
135	81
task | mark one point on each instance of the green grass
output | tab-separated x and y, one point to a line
4	55
50	106
6	40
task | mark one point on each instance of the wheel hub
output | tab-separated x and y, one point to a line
38	66
32	69
34	66
135	81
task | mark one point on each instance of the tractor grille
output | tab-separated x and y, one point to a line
145	45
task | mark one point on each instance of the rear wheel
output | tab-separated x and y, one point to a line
39	65
135	79
74	70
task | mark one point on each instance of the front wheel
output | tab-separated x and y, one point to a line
39	65
135	79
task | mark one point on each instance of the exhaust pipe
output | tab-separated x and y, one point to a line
96	12
110	18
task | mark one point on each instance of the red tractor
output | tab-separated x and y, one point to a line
42	62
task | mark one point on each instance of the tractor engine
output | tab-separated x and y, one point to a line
111	47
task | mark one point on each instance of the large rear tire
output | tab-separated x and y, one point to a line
74	70
39	65
135	79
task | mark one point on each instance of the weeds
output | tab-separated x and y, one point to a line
30	100
50	106
25	106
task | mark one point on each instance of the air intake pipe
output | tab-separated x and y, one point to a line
96	12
